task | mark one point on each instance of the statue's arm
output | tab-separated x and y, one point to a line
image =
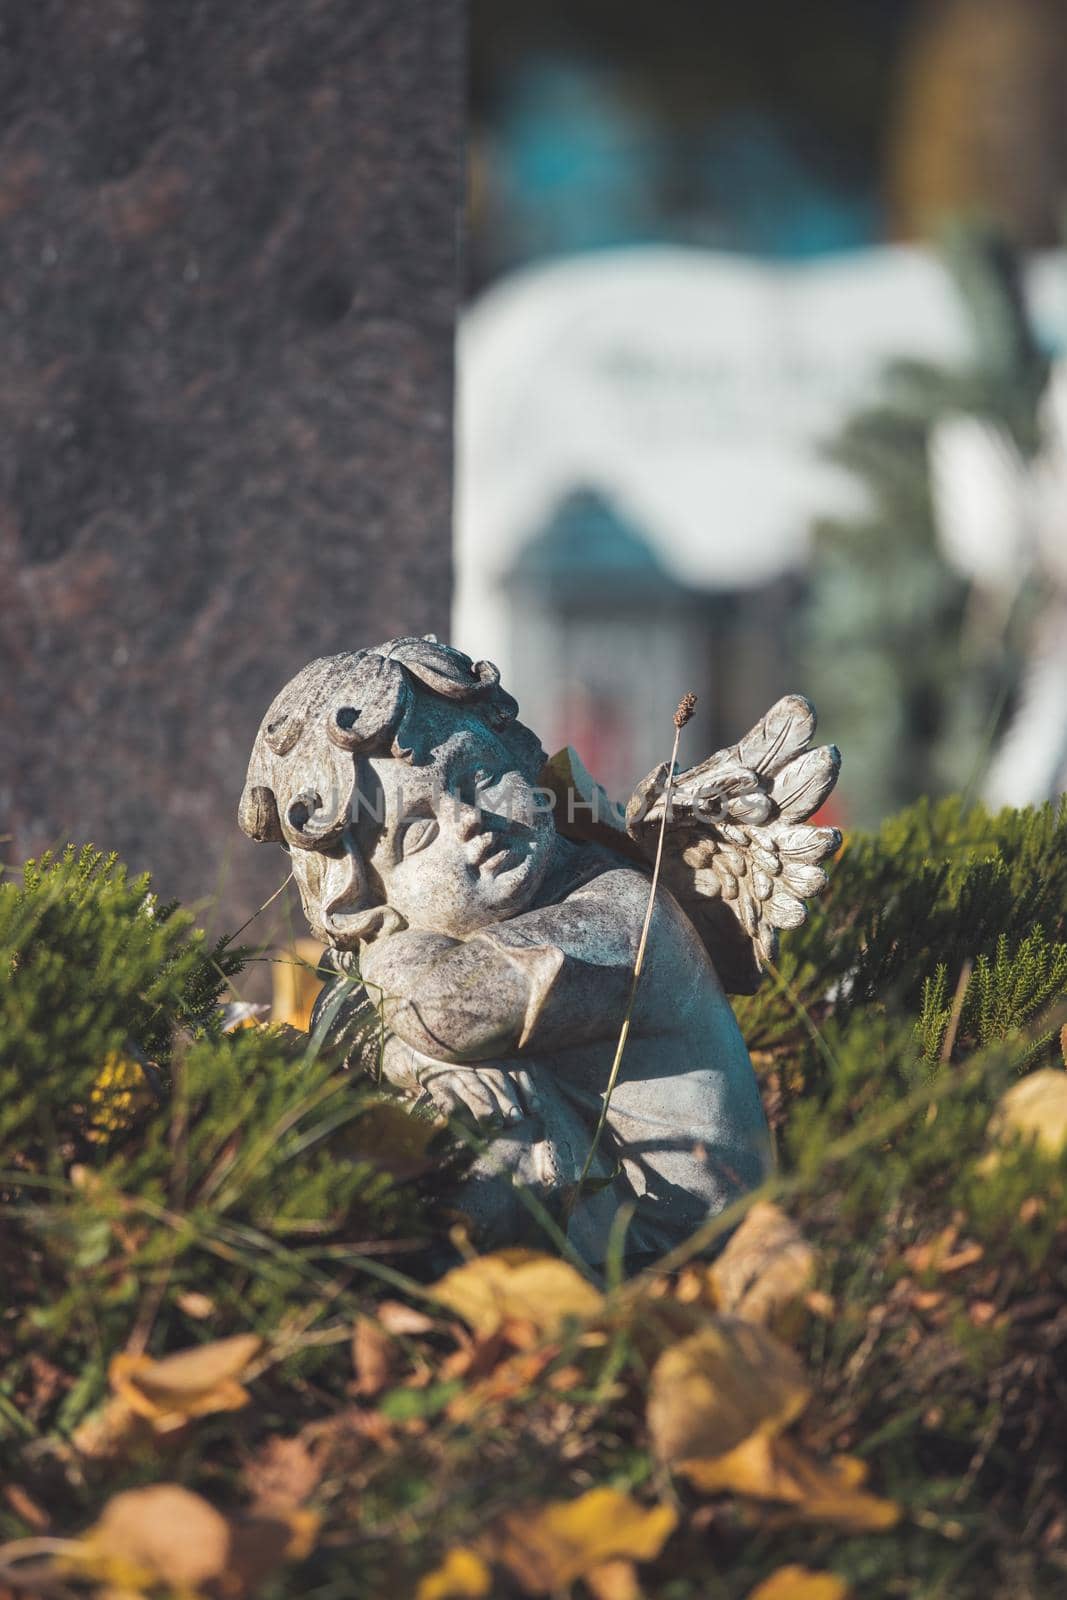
351	1024
547	980
456	1000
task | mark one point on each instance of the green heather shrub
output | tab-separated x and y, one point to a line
933	977
240	1183
144	1153
93	968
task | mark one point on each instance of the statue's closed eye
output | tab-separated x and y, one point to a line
417	834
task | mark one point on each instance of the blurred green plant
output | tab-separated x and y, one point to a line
915	694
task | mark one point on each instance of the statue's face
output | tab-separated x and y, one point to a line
463	841
451	839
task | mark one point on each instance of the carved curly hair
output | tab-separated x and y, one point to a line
299	788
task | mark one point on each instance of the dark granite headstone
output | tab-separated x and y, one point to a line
228	232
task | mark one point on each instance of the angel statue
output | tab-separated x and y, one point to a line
483	908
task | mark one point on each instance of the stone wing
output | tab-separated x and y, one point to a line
740	853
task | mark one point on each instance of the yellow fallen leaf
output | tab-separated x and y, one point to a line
615	1580
154	1397
547	1548
800	1583
517	1285
296	984
833	1495
717	1388
462	1575
1034	1109
765	1468
146	1539
765	1270
189	1383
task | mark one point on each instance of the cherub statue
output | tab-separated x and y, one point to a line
484	909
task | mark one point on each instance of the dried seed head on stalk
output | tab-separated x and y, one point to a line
685	710
686	707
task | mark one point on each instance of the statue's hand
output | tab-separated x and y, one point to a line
485	1094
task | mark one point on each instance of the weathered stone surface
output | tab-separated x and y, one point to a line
227	284
486	930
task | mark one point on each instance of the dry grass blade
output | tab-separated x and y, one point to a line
681	717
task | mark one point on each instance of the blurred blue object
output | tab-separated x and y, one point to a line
576	162
575	167
765	199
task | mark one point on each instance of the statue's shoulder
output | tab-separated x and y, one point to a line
593	872
611	888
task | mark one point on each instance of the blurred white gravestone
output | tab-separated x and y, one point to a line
691	392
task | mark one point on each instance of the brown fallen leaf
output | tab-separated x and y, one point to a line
373	1356
517	1285
940	1254
546	1548
165	1537
462	1575
800	1583
653	1324
150	1538
717	1388
695	1285
109	1431
507	1382
766	1269
196	1305
26	1508
396	1317
393	1139
475	1357
982	1313
189	1383
261	1544
281	1476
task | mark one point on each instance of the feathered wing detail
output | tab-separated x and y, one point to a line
739	852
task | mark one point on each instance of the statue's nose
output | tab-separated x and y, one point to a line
469	820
